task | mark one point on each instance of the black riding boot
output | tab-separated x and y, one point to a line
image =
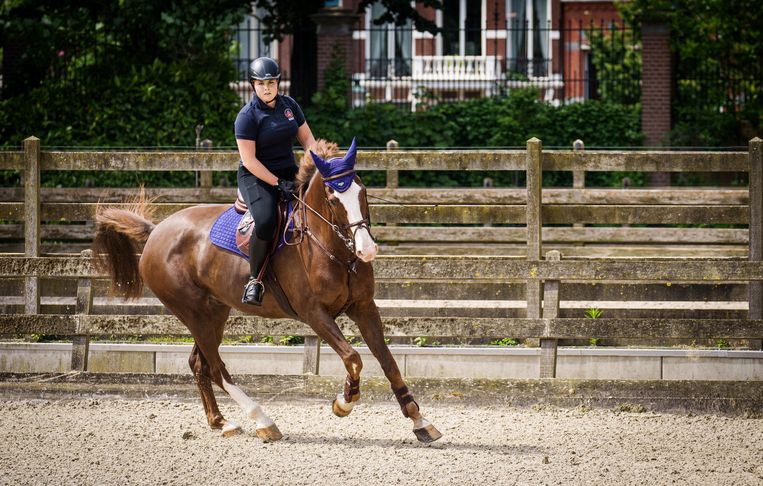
254	289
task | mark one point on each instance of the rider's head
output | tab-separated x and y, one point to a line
264	75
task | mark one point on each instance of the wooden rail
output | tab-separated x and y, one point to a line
543	275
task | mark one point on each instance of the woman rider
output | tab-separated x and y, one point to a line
265	130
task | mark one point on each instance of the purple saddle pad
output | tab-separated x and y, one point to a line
223	232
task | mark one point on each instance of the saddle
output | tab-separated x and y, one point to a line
247	224
237	220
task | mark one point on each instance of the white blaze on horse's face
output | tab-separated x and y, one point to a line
365	247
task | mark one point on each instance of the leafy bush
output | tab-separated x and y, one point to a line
118	74
486	122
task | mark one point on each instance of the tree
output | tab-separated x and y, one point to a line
285	17
117	72
718	71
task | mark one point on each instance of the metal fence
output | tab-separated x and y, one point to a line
575	63
399	65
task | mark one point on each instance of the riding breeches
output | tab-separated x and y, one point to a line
262	199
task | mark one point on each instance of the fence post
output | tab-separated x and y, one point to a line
392	175
534	222
312	357
32	220
578	176
548	346
81	343
204	177
755	232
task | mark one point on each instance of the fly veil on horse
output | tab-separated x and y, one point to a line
325	272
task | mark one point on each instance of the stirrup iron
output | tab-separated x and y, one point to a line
253	292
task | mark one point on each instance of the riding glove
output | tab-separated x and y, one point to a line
287	188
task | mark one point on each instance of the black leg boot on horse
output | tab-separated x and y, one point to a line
258	256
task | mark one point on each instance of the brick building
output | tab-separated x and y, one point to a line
486	48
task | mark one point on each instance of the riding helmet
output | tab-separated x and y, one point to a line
264	68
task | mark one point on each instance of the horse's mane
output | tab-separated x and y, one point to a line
322	148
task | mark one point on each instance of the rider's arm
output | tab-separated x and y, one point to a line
248	150
305	137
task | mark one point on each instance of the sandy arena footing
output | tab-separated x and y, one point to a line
118	441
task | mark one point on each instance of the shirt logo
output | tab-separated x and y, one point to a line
288	114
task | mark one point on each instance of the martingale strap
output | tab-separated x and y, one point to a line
404	397
351	387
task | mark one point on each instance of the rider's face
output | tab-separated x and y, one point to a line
266	89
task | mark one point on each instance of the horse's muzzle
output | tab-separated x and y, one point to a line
368	254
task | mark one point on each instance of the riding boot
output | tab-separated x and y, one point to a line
254	289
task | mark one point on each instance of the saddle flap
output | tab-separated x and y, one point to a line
246	226
244	232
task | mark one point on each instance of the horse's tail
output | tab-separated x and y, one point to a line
119	234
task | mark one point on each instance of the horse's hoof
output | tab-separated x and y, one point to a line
427	434
339	411
269	433
230	429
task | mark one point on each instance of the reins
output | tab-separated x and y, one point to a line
349	242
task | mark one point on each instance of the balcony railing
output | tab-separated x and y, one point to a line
447	68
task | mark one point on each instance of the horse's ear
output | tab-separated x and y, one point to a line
349	157
322	166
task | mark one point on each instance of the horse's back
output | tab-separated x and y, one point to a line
179	249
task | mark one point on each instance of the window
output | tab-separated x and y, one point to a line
390	47
462	28
249	42
529	29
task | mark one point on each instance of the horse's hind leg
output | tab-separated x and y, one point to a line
206	322
215	316
201	374
366	316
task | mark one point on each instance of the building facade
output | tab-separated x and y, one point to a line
485	48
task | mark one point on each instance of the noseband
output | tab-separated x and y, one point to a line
346	232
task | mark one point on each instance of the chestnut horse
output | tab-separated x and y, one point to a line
327	273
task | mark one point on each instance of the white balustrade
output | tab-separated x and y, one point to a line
442	68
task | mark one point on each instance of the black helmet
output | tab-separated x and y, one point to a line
264	68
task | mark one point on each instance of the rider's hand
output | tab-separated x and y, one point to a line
287	188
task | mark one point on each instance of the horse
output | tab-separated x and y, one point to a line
325	271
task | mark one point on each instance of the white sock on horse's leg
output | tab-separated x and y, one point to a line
250	407
347	407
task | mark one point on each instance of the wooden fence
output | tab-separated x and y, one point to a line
637	262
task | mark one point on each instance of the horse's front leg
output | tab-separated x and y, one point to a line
366	316
326	328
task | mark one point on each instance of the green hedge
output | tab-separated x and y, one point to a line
490	122
155	105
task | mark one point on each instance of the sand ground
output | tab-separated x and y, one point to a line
117	441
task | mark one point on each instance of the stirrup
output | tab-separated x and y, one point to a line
253	291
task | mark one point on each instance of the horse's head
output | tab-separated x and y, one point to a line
347	198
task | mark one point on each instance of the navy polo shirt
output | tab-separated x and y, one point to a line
273	129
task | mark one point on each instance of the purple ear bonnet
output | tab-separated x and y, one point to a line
337	165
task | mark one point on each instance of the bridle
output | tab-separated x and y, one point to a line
346	232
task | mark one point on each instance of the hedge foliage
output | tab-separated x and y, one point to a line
117	73
487	122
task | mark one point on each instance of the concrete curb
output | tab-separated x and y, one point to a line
432	362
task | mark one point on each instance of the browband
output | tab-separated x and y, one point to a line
340	175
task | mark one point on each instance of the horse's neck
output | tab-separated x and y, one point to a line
322	230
